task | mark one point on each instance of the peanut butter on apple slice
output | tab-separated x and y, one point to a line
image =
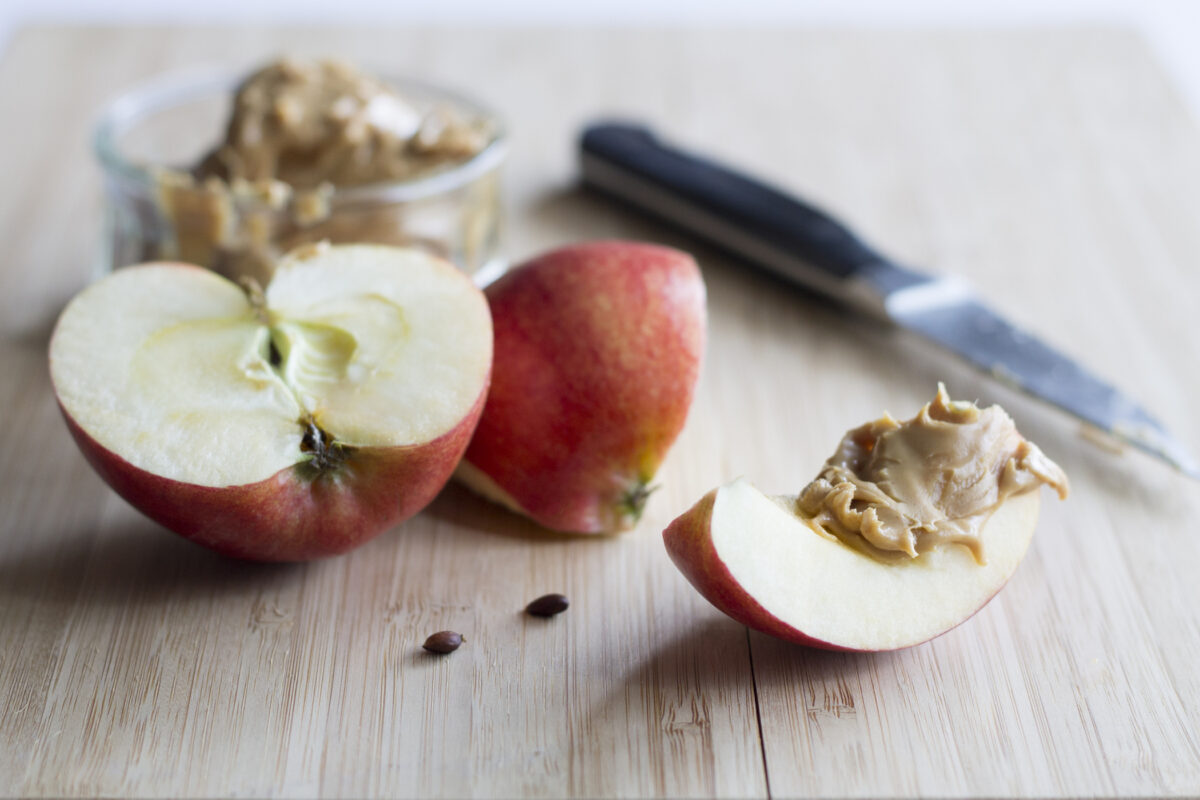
885	548
896	490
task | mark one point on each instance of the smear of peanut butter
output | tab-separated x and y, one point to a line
899	489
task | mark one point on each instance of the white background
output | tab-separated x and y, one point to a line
1171	26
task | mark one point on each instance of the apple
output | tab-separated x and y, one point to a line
598	349
908	529
282	424
756	559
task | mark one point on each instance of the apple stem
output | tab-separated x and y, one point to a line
257	297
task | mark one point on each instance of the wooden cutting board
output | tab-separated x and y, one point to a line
1056	170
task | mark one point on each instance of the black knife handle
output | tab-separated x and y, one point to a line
737	212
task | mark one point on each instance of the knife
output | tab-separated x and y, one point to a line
805	245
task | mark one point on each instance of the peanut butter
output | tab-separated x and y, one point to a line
309	124
896	490
299	131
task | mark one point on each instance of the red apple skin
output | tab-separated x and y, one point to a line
689	544
598	349
292	516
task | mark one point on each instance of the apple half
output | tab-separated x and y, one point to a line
277	424
762	563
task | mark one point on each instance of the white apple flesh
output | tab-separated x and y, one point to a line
757	560
287	425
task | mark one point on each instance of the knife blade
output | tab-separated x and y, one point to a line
803	244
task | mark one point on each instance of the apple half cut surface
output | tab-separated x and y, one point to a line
861	559
279	424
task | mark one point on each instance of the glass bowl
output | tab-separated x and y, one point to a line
149	139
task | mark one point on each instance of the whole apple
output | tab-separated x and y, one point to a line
598	348
282	424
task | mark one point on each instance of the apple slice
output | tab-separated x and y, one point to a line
285	424
598	348
757	560
908	530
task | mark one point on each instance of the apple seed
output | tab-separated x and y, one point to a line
443	642
547	605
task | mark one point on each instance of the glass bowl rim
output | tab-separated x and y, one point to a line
175	88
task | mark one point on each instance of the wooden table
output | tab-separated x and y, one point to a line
1056	170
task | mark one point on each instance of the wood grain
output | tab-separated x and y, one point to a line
1056	170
